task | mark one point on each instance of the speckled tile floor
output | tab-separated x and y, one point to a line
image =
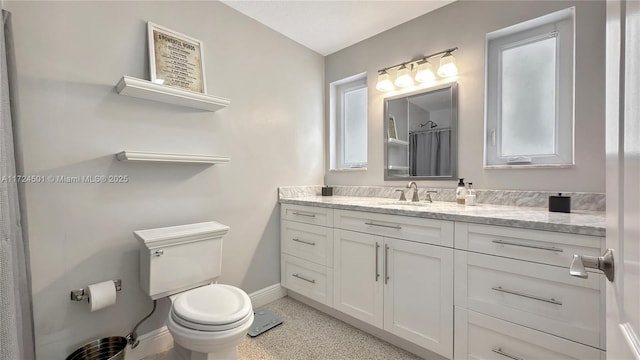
308	334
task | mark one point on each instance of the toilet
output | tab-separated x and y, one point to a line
207	320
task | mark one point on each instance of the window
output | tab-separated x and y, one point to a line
529	93
348	123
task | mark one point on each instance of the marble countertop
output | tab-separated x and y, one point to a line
578	222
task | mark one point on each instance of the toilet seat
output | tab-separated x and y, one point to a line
214	307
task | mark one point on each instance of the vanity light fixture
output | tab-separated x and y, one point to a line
403	77
384	81
448	66
424	71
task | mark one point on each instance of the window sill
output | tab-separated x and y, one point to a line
538	166
348	169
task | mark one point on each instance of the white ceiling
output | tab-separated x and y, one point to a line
329	26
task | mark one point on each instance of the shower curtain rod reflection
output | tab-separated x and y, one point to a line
428	131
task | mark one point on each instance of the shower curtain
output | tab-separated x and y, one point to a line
16	324
429	153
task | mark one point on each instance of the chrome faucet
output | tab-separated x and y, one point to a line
429	192
415	197
402	198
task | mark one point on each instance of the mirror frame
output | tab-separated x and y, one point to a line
454	133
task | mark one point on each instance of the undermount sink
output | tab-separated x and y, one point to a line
405	203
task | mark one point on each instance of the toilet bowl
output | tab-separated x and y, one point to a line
209	322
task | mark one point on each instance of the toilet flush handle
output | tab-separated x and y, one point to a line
157	253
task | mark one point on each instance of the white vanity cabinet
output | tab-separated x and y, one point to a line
402	286
515	298
508	289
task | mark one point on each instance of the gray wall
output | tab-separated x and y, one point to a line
70	55
464	24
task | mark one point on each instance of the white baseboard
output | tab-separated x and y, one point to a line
269	294
160	340
151	343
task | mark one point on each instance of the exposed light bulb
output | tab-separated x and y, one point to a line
384	82
425	72
403	77
448	66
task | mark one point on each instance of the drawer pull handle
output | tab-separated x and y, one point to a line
312	243
517	293
397	227
506	354
548	248
303	214
304	278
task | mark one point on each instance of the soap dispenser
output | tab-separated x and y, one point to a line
470	198
461	191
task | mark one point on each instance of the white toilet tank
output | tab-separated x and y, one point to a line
177	258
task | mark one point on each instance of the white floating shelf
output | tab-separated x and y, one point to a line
172	158
144	89
398	142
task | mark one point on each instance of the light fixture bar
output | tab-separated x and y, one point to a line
421	59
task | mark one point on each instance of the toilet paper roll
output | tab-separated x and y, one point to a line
102	295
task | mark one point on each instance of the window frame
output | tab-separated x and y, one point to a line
560	24
338	90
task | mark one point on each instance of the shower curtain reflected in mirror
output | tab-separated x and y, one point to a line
434	145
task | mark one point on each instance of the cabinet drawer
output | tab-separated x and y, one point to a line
308	242
538	296
307	214
436	232
484	337
544	247
306	278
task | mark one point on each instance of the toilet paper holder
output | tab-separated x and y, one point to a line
81	294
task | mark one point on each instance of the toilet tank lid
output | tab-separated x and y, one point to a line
173	235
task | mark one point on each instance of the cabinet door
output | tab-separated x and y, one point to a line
358	275
418	294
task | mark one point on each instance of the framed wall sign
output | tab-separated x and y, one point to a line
176	60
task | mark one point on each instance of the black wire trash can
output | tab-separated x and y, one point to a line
109	348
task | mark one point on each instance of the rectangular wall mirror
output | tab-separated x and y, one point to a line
420	134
